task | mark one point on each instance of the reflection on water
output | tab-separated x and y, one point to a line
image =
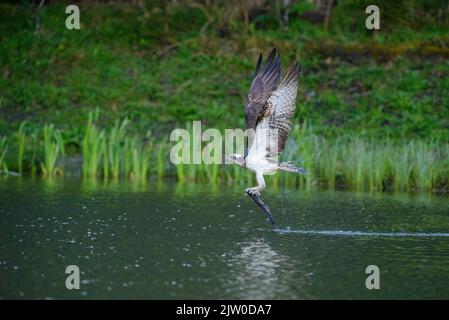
166	240
257	271
258	266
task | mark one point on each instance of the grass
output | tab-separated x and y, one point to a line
92	147
161	159
21	139
113	154
375	103
140	159
53	149
399	165
192	75
347	161
3	150
114	148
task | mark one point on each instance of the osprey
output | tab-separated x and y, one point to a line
268	111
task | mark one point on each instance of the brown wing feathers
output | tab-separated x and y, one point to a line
263	85
281	99
283	107
259	62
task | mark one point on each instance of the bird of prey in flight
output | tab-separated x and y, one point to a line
268	111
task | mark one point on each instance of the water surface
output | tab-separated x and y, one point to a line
173	241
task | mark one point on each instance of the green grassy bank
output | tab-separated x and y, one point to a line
375	103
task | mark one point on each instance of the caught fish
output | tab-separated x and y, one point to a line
256	198
269	107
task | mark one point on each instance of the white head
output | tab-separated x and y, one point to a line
237	159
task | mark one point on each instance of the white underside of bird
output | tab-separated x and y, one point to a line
268	111
257	160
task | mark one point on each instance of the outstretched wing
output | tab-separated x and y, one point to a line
264	83
282	105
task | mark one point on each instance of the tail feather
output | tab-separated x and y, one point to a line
290	167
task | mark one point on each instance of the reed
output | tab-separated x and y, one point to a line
53	148
328	157
186	171
442	169
92	146
115	147
3	151
127	156
106	160
34	149
401	169
212	172
21	138
381	166
181	172
355	162
304	145
161	158
424	157
139	159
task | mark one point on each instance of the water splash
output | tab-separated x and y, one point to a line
351	233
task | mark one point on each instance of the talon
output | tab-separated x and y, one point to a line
253	191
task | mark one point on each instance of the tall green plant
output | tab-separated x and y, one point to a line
401	167
53	148
424	159
92	146
140	159
3	150
160	161
21	138
115	146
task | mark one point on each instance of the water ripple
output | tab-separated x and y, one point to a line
350	233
